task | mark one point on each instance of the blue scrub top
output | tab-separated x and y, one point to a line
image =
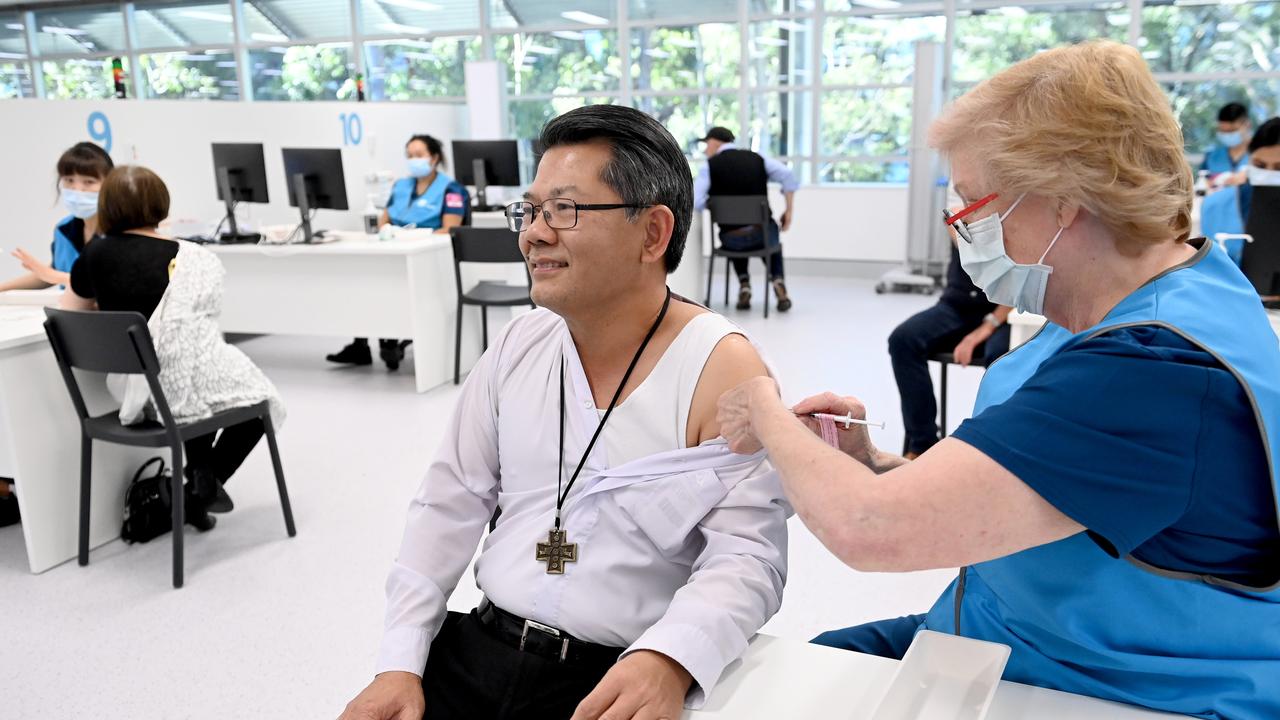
443	197
1148	442
1218	160
68	242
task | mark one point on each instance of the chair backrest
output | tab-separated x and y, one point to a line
484	245
1261	258
739	209
103	342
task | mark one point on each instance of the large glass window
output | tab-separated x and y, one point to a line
183	24
691	56
561	62
687	117
1196	105
872	122
15	78
780	52
875	50
79	30
302	72
418	17
681	9
417	69
79	78
988	41
532	13
277	21
1212	37
780	123
206	75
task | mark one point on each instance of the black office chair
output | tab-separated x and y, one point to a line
1260	261
741	210
485	245
946	359
118	342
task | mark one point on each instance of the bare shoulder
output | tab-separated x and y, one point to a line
733	361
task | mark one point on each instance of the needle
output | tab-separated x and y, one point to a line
847	420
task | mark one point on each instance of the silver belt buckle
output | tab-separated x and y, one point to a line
546	630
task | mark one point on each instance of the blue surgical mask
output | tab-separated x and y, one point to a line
1230	139
1262	177
989	266
421	167
83	205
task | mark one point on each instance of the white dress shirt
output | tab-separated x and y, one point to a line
682	552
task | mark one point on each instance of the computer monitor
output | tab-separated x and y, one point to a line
486	162
240	173
315	181
1261	258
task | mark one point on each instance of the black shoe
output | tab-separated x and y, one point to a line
357	353
744	297
784	302
392	352
208	489
197	516
9	514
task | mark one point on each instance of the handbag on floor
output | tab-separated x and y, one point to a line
148	504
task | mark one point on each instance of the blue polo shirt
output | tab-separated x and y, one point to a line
445	196
68	243
1151	445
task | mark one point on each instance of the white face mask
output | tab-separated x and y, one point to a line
1263	177
83	205
1004	281
421	167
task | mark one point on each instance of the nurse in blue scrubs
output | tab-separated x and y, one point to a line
427	198
1113	501
1226	160
81	170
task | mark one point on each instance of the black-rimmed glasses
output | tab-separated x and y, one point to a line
558	213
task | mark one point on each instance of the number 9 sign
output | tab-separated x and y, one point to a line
100	129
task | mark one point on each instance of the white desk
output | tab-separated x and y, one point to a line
42	438
783	678
1024	325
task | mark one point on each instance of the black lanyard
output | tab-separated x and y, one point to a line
561	496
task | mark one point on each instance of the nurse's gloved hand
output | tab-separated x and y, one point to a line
854	441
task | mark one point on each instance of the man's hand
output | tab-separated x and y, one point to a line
391	696
964	351
644	685
786	221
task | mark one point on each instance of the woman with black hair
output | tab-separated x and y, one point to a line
427	198
81	170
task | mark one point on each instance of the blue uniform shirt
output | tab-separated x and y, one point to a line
443	197
68	242
1218	160
1149	443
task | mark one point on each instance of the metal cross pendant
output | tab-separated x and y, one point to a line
555	552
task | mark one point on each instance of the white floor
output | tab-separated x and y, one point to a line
272	627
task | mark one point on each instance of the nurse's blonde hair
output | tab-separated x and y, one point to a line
1084	125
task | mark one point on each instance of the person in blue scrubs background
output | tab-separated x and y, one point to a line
427	198
1226	160
1113	503
81	170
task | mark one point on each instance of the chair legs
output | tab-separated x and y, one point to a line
279	471
768	280
86	475
943	405
484	328
457	346
711	274
179	513
728	270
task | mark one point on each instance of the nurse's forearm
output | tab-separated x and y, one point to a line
832	493
26	282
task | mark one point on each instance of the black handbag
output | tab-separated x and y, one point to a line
148	504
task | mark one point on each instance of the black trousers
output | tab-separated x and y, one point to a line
224	452
471	675
938	329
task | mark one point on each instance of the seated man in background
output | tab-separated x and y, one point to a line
731	170
964	322
623	575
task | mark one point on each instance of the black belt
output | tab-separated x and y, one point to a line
543	640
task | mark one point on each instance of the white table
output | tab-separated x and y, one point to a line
783	678
42	437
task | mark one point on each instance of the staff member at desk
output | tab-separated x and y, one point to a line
427	198
1226	161
1115	496
81	170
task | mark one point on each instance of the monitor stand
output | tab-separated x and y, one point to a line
304	206
482	187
